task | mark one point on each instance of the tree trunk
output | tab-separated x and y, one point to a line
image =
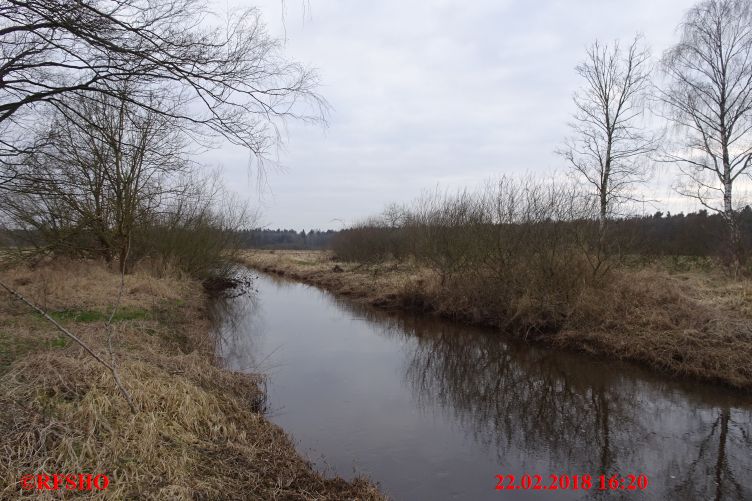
734	241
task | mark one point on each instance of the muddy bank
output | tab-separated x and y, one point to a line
690	325
199	432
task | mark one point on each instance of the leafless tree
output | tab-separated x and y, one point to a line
230	76
709	98
608	145
108	166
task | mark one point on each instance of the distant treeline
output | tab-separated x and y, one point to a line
693	234
286	239
698	234
661	234
247	239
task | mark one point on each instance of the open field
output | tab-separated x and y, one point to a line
694	323
199	432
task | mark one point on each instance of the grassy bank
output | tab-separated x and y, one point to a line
691	323
199	432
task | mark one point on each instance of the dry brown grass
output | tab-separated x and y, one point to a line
696	324
387	285
198	433
691	324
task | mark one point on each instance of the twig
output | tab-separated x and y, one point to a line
110	330
75	338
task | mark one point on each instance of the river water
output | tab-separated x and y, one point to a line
432	410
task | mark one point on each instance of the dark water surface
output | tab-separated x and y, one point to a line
432	410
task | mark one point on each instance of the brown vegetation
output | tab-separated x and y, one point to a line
689	323
199	432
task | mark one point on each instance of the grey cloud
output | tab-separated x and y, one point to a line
427	92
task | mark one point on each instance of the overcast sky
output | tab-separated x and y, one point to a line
433	93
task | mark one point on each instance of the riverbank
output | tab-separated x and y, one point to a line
199	432
693	323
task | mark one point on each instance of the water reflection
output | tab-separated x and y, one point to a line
519	409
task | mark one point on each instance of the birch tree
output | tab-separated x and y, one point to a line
608	144
708	97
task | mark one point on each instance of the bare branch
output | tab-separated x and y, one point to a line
76	339
229	75
709	101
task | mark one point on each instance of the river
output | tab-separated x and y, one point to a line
433	410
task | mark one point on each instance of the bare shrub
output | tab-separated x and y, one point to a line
197	233
515	251
115	181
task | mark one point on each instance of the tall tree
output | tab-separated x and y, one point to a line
608	144
708	98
